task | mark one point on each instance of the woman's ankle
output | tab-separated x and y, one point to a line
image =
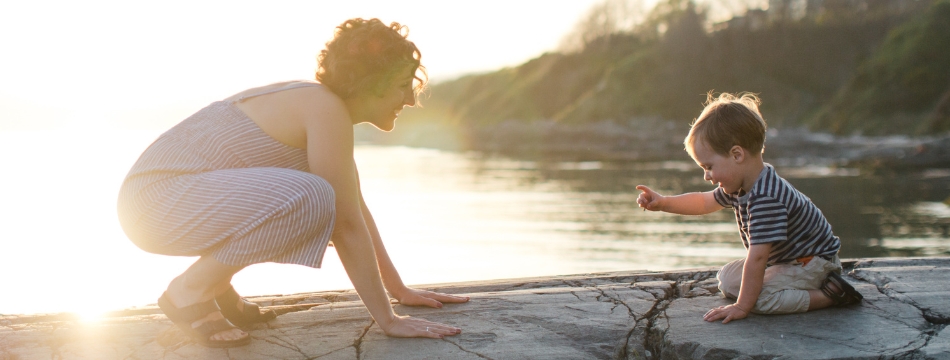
181	292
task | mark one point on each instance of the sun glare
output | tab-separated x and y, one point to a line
91	316
97	81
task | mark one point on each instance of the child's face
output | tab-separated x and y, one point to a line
721	170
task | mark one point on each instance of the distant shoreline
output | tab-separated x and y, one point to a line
657	140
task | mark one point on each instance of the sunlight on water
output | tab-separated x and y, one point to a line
445	217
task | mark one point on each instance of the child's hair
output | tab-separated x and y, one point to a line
729	120
366	55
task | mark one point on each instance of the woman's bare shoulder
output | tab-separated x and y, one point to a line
287	111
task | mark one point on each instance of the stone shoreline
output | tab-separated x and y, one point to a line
621	315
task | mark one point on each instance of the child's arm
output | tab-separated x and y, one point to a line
753	273
697	203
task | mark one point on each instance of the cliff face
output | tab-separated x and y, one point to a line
624	315
879	71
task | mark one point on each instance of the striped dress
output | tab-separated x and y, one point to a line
216	184
775	212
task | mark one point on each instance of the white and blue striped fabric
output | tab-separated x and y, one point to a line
775	212
216	184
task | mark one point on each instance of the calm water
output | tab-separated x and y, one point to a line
445	217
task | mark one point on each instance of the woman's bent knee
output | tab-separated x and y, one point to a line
319	198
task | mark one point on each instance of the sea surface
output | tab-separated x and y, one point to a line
444	216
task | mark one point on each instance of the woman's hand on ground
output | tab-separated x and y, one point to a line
727	313
405	326
414	297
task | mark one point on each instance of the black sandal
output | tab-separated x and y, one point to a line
183	317
251	315
846	294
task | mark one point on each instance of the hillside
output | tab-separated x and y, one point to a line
644	84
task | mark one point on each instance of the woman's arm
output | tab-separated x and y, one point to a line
329	133
390	276
387	270
330	156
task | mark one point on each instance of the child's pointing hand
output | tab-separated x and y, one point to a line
648	199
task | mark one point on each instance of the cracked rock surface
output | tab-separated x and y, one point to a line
623	315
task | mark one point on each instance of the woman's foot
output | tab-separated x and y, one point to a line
181	296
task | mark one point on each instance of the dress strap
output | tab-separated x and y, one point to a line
289	86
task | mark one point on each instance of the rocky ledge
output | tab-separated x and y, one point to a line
625	315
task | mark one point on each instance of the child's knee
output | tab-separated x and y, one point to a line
788	301
730	278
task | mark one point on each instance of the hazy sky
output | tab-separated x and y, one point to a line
134	64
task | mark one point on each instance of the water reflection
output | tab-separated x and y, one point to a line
445	217
875	215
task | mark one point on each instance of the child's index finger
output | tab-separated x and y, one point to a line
643	188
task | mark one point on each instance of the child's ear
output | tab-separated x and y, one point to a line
737	153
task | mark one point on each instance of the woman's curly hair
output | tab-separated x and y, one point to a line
366	55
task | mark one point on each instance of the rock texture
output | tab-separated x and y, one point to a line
625	315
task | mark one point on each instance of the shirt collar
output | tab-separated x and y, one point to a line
766	170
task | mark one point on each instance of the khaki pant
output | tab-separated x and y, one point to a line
785	286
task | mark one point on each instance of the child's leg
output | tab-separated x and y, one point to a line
793	288
730	278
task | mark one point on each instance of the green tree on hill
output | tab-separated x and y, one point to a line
879	68
903	87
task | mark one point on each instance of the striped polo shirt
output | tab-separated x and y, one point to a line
775	212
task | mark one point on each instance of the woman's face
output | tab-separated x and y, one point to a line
381	110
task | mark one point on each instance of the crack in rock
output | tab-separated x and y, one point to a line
654	339
359	341
480	355
603	294
297	348
576	309
930	334
331	352
882	282
284	344
911	348
623	352
842	343
294	308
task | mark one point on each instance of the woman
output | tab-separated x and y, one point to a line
267	175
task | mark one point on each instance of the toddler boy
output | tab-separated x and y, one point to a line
792	263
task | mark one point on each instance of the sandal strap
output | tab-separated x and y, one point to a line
825	289
846	293
231	297
228	296
251	314
208	328
187	314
